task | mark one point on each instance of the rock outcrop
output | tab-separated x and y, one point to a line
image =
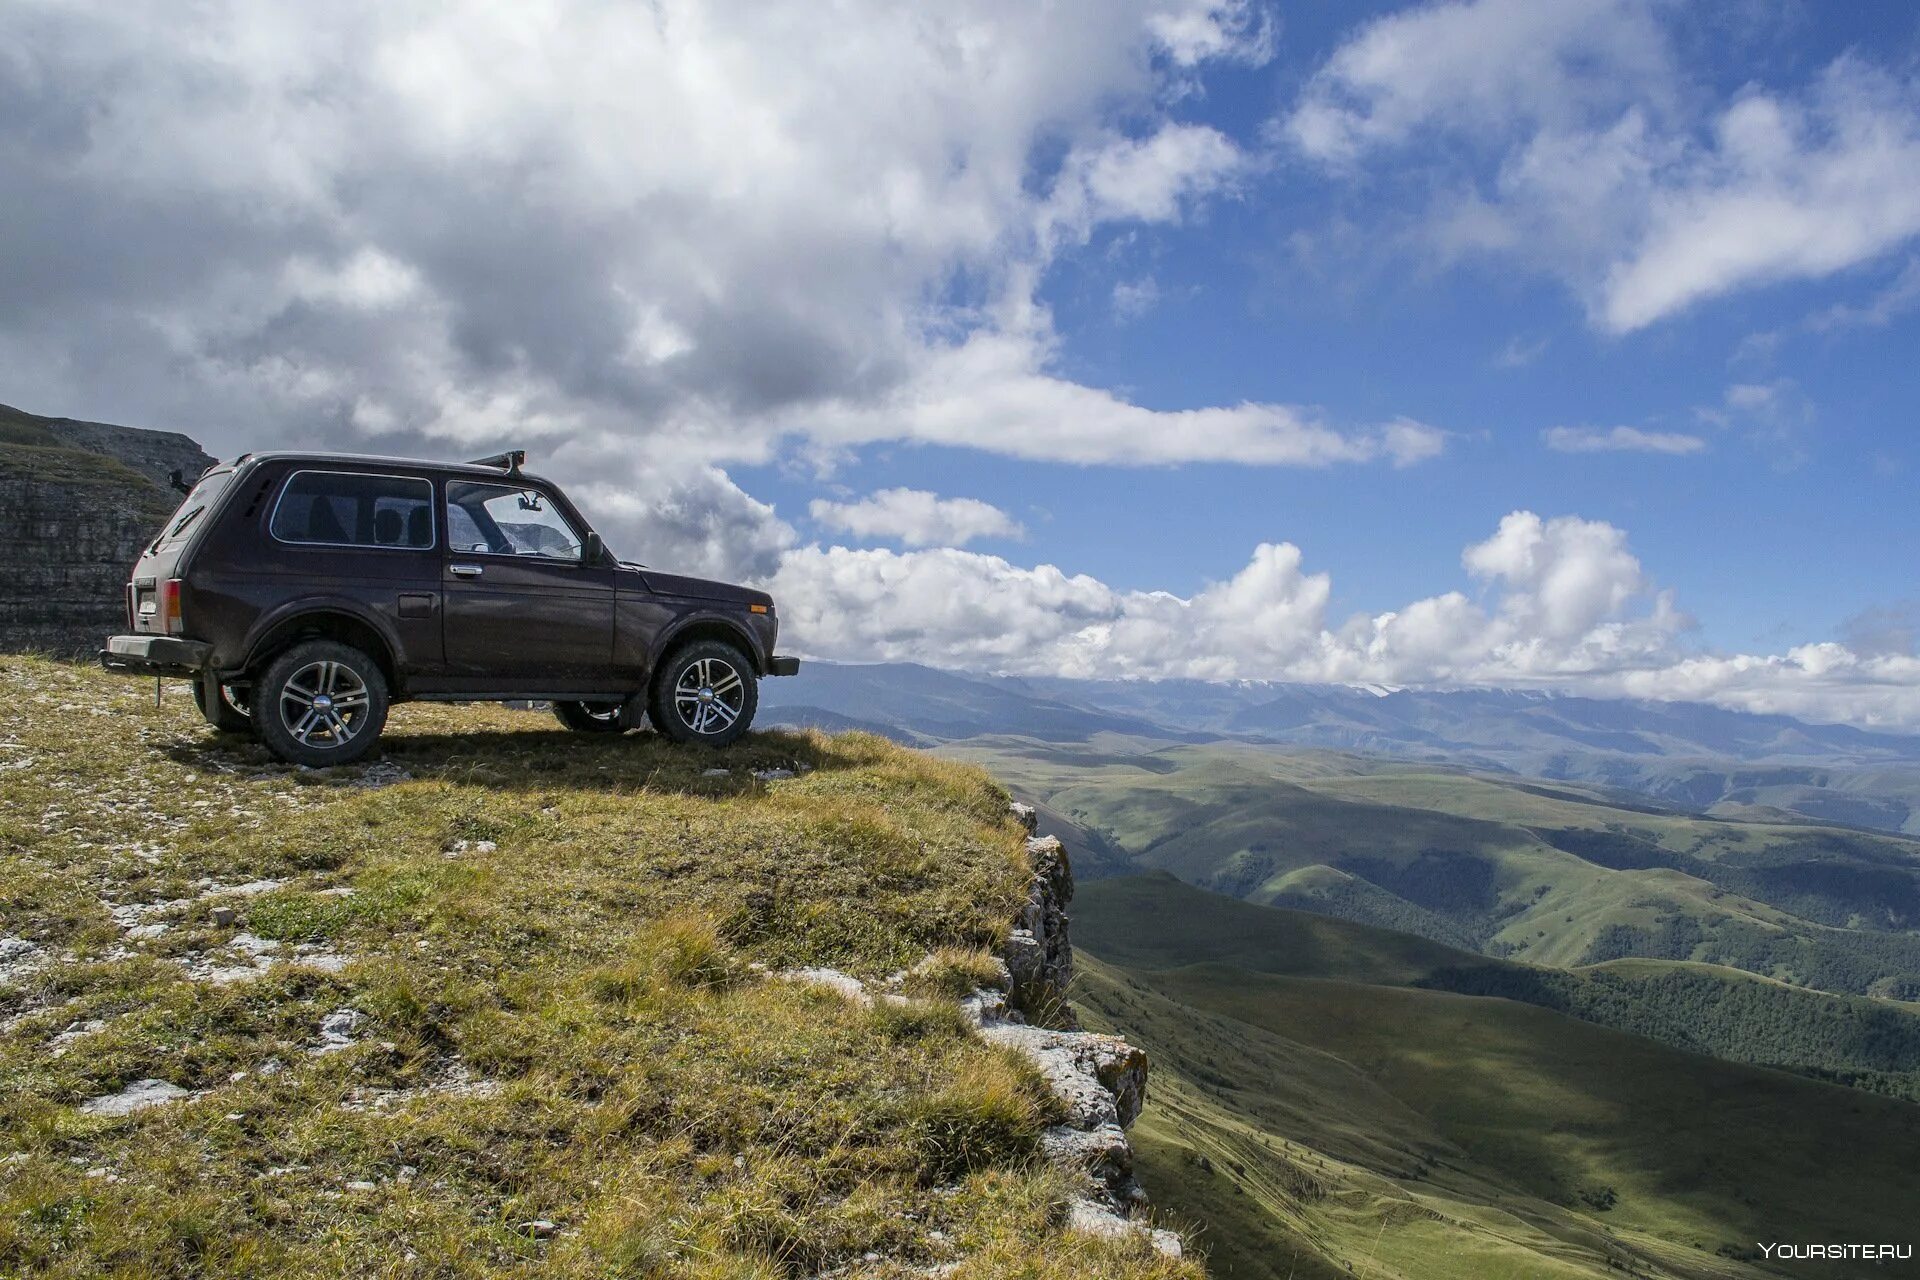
1101	1080
78	501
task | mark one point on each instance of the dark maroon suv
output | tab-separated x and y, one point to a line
304	594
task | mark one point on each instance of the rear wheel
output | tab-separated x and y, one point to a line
320	703
704	693
223	705
589	717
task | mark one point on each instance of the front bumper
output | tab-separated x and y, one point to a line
155	655
783	666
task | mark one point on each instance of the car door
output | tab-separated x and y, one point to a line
523	612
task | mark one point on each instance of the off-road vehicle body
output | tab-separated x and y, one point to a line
304	593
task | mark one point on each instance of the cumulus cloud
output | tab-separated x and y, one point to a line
917	518
1620	440
1561	603
1603	171
1568	597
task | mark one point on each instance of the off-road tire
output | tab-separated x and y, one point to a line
589	717
210	696
300	677
674	704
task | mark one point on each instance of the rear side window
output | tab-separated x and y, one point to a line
351	509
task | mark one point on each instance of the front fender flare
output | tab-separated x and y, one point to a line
708	620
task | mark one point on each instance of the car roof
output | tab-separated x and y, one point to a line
464	469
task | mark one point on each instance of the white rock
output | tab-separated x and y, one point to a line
336	1031
137	1096
1088	1218
250	889
75	1030
842	984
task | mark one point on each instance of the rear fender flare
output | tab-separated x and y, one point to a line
271	629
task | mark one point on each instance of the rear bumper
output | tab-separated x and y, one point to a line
155	656
783	666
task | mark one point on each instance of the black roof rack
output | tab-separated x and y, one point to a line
509	462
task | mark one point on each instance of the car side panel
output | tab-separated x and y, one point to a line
282	612
242	583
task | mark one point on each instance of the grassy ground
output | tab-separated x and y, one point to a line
535	962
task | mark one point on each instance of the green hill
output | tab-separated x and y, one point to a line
1319	1114
1560	874
498	1005
1156	922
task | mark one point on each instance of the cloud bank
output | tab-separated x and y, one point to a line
1555	603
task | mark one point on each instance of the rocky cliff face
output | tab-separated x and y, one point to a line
78	500
1100	1079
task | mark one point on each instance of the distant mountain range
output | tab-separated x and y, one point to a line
1689	755
1468	726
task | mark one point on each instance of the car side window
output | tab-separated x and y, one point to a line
353	509
506	520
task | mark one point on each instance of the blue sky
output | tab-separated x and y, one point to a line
1467	342
1780	529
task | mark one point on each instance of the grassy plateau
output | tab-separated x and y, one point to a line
501	1003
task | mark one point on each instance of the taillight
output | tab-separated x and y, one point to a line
170	619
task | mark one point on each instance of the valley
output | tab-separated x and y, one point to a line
1319	1112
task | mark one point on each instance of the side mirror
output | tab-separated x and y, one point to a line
595	550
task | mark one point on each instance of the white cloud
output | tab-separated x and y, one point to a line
1134	298
1606	172
1478	65
1519	353
1569	598
1568	606
992	391
1897	298
917	518
717	231
1790	190
1620	440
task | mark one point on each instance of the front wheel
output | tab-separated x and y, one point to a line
320	703
589	717
705	693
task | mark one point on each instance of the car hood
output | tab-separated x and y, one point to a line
673	584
